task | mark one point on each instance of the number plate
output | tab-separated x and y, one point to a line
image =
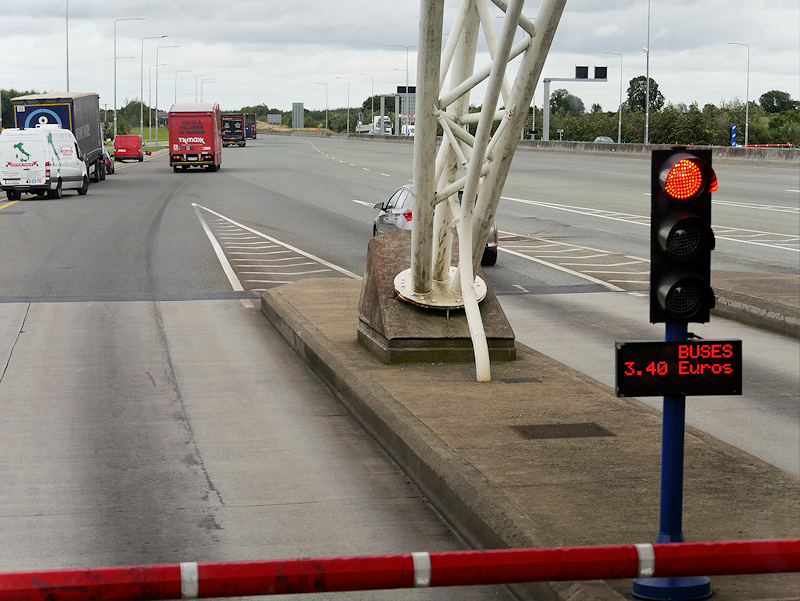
679	367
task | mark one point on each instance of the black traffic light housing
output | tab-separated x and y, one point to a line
681	238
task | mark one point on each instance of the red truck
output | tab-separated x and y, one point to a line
195	136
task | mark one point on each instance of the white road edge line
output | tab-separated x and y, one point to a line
226	266
283	244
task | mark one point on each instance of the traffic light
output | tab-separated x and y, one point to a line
681	239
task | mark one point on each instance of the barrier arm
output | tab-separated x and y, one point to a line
192	580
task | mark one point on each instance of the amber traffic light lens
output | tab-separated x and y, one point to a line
684	179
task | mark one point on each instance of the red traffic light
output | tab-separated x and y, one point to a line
681	238
684	176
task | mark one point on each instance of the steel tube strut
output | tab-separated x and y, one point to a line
469	166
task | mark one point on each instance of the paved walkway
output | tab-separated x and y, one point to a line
468	447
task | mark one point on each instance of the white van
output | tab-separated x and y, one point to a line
41	161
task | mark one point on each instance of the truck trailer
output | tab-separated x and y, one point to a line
195	136
250	124
78	112
233	130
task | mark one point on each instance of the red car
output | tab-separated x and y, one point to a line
109	162
128	147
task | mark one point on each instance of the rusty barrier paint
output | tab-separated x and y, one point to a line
192	580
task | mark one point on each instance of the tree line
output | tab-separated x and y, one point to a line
773	119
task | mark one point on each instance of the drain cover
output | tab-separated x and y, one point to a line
542	431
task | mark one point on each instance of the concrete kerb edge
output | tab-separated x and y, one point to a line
452	486
770	316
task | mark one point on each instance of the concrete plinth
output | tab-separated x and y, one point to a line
398	332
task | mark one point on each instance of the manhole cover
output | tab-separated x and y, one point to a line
542	431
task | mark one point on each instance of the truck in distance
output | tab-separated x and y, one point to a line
374	128
250	124
195	136
78	112
233	130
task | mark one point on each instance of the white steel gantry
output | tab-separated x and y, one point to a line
458	188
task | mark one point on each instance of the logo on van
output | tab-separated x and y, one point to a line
31	164
192	140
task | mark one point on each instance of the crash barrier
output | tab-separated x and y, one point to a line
193	580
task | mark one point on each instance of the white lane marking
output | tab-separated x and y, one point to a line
645	221
285	273
226	266
190	580
371	205
564	269
386	175
758	207
283	244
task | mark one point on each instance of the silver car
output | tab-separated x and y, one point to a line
396	214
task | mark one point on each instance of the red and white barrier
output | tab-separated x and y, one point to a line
193	580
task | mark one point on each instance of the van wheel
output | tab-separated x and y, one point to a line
13	194
141	158
85	187
55	194
103	171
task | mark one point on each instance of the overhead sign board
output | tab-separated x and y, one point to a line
679	367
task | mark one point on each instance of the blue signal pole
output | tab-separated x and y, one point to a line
670	530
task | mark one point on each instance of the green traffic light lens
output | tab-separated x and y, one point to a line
684	298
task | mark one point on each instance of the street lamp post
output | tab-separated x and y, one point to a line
197	83
141	84
150	101
322	83
115	66
619	130
747	97
348	102
647	75
202	81
372	96
176	81
157	49
407	48
67	38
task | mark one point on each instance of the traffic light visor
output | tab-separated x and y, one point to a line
686	176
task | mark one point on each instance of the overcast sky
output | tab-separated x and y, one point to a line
275	53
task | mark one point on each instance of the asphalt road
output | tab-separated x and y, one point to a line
150	414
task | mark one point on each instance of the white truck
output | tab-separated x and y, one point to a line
374	128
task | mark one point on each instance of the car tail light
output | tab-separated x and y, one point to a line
407	215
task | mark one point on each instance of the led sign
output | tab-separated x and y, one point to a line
679	367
